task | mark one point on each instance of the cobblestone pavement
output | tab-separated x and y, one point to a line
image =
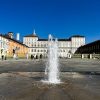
22	80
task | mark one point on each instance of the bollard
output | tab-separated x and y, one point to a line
90	56
82	56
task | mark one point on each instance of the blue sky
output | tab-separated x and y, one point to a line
62	18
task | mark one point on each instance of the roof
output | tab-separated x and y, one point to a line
7	37
77	36
63	39
31	35
10	32
42	39
94	42
54	39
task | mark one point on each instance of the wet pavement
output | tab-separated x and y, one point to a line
39	65
22	80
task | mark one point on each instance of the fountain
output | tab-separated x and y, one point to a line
52	67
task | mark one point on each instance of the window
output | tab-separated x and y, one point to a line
32	50
63	50
45	45
44	50
38	45
41	45
32	45
38	50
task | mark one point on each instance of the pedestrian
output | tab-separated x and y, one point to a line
27	56
5	58
2	57
31	57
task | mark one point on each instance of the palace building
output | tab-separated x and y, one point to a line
38	47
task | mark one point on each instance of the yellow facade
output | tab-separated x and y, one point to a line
20	49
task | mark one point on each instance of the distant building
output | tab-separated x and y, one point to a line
3	45
38	47
90	48
10	46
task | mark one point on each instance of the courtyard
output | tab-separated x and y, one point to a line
22	80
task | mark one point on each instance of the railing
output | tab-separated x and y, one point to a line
90	56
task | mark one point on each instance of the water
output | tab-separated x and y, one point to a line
52	67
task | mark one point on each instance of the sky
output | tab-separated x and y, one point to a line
61	18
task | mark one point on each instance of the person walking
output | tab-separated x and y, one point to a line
27	56
31	57
2	57
5	57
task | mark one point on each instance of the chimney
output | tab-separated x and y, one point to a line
10	34
18	36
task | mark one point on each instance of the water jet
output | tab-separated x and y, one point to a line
52	66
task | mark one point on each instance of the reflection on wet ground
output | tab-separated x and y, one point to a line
28	86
